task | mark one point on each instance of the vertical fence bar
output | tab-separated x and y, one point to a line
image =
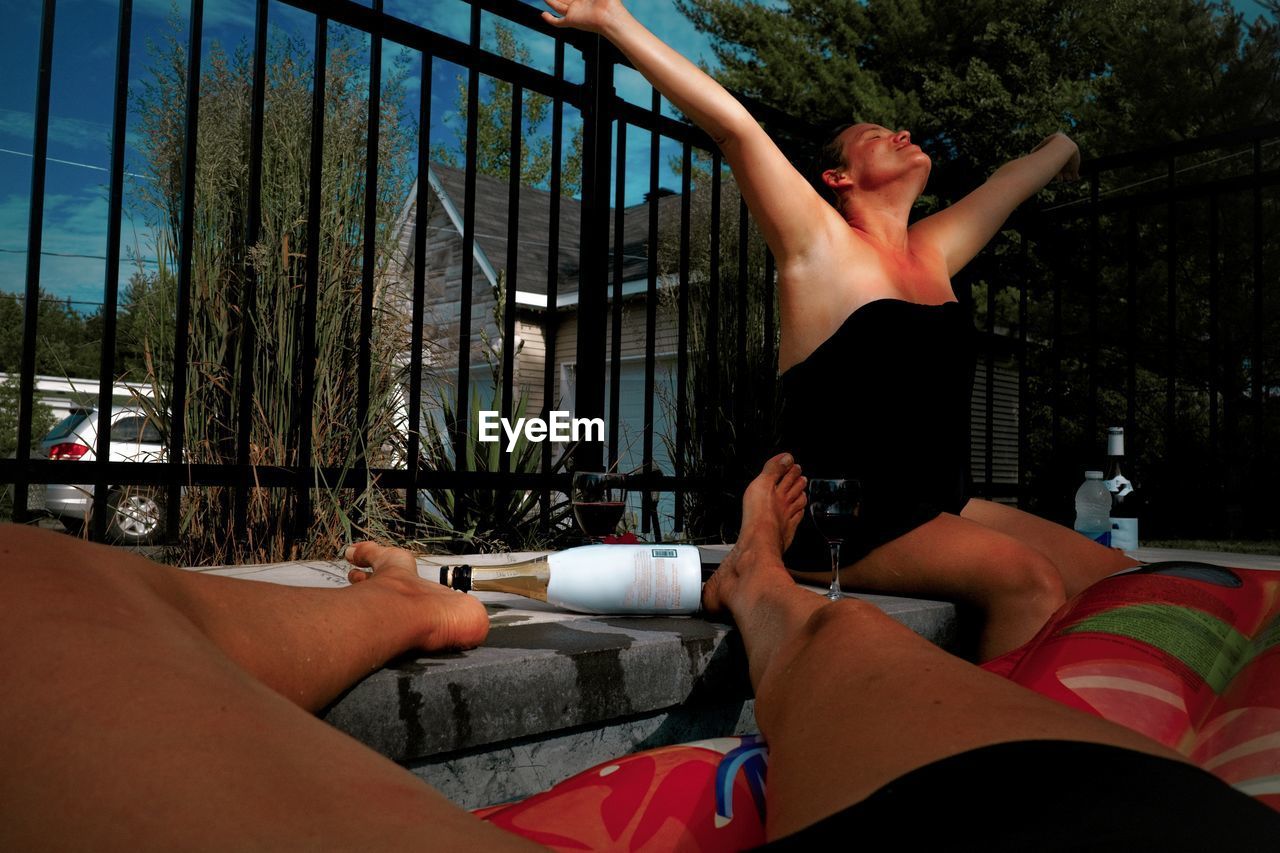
593	275
248	318
512	274
682	328
769	332
461	426
1095	250
713	284
1056	358
364	366
740	362
1131	312
1171	323
648	509
35	244
311	292
420	220
1259	314
989	465
178	399
550	321
1024	425
1215	345
111	285
619	242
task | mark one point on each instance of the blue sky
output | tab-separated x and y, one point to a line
74	238
72	264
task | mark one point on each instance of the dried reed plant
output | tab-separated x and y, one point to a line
239	289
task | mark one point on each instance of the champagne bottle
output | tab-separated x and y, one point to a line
624	580
1124	515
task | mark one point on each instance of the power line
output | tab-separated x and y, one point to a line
74	255
72	163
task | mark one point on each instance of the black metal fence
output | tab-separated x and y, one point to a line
1130	306
606	118
1151	303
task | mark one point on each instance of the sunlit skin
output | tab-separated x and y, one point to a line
832	260
149	708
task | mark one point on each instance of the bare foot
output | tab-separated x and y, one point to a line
444	618
772	507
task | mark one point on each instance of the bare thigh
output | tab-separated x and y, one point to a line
865	701
1016	587
1080	561
123	726
950	557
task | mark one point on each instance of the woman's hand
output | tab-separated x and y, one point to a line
1070	170
590	15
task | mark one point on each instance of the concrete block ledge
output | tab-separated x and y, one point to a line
543	671
551	693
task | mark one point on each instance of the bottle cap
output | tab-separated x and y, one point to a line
1115	430
1093	475
456	577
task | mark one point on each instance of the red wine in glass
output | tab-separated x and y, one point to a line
833	504
831	525
599	499
598	519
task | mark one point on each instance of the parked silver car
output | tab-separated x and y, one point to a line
135	513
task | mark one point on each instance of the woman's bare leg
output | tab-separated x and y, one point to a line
1080	561
134	715
1015	586
850	700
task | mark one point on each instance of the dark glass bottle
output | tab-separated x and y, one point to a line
1124	498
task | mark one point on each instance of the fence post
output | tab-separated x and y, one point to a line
593	266
35	237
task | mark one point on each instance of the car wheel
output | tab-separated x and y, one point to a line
135	515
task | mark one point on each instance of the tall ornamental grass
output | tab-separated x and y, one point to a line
239	289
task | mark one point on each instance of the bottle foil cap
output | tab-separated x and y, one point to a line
456	577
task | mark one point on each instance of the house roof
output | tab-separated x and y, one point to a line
492	202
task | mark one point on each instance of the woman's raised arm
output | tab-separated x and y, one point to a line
788	209
961	230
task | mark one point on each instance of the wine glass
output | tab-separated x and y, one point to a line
833	504
599	499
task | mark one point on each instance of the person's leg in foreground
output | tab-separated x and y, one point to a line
849	700
149	708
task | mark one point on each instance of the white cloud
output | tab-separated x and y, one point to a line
72	263
17	127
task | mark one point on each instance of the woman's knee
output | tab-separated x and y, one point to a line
1020	574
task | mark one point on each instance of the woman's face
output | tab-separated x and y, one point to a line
877	156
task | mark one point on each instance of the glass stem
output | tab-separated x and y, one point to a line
835	572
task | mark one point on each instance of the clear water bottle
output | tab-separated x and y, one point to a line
1093	508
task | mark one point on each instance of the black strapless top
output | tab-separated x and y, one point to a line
885	400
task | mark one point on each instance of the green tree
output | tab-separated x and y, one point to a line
981	81
493	129
42	420
67	342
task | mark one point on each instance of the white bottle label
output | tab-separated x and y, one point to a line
1124	533
627	580
1119	486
